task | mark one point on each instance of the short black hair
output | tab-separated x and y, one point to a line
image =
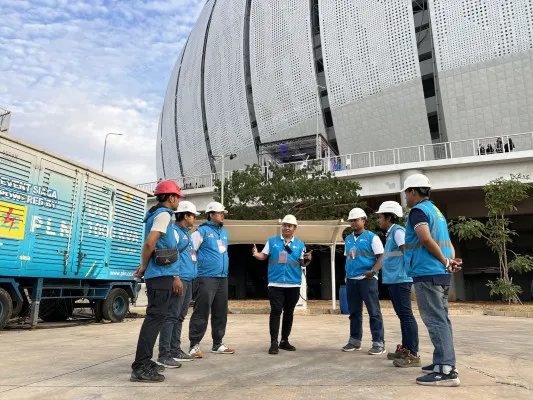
181	216
393	217
422	191
209	215
161	198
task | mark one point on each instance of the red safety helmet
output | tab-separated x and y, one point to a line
168	187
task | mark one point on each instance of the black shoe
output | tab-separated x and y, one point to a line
146	375
155	366
274	349
285	345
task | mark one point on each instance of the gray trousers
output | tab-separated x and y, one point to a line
211	296
170	335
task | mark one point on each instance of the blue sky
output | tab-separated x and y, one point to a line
73	70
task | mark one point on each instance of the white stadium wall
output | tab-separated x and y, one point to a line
484	52
248	75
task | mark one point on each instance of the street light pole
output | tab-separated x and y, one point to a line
105	145
222	178
319	110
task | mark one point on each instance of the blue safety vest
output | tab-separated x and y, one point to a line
418	261
166	241
288	270
393	270
364	259
187	266
212	263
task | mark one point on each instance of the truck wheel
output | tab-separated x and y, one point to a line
98	310
17	308
117	305
6	307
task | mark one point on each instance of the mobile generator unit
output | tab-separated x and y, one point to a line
67	233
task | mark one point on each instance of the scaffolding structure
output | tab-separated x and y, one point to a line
5	119
311	147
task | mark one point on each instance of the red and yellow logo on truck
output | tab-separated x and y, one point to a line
12	220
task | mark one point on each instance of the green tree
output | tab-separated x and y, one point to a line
501	197
308	194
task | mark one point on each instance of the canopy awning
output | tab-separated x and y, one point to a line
258	232
328	233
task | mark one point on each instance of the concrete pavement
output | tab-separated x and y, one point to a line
92	361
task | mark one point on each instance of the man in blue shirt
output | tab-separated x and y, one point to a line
394	275
286	255
363	250
170	352
161	278
211	241
430	260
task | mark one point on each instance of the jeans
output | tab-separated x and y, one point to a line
282	299
400	294
170	335
159	291
357	292
433	306
211	296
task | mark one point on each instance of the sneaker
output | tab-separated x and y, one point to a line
440	379
168	362
397	354
285	345
274	349
146	375
428	369
158	368
221	349
377	350
351	347
408	359
183	357
195	352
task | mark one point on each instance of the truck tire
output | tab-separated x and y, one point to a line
98	310
17	308
6	307
116	306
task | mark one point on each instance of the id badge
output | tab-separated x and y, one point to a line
283	257
193	256
353	252
221	246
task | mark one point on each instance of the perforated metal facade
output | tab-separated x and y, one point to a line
467	32
193	148
225	91
283	74
158	154
168	126
248	76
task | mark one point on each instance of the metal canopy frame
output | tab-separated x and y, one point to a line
327	233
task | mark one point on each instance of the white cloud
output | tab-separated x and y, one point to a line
71	71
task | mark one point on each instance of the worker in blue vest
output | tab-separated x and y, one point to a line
159	266
430	260
211	241
286	257
394	275
363	251
170	352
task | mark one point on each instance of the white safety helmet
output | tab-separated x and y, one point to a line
289	219
416	181
215	206
391	207
356	213
187	207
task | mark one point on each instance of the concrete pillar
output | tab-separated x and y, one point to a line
403	176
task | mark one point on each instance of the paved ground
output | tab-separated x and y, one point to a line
495	360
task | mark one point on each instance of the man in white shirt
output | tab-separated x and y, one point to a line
286	256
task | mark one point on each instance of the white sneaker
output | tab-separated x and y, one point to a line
221	349
195	351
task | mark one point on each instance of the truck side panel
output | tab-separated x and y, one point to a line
16	170
52	235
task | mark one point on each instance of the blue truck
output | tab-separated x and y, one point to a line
70	236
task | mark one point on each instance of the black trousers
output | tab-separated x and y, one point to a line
282	299
211	296
159	291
